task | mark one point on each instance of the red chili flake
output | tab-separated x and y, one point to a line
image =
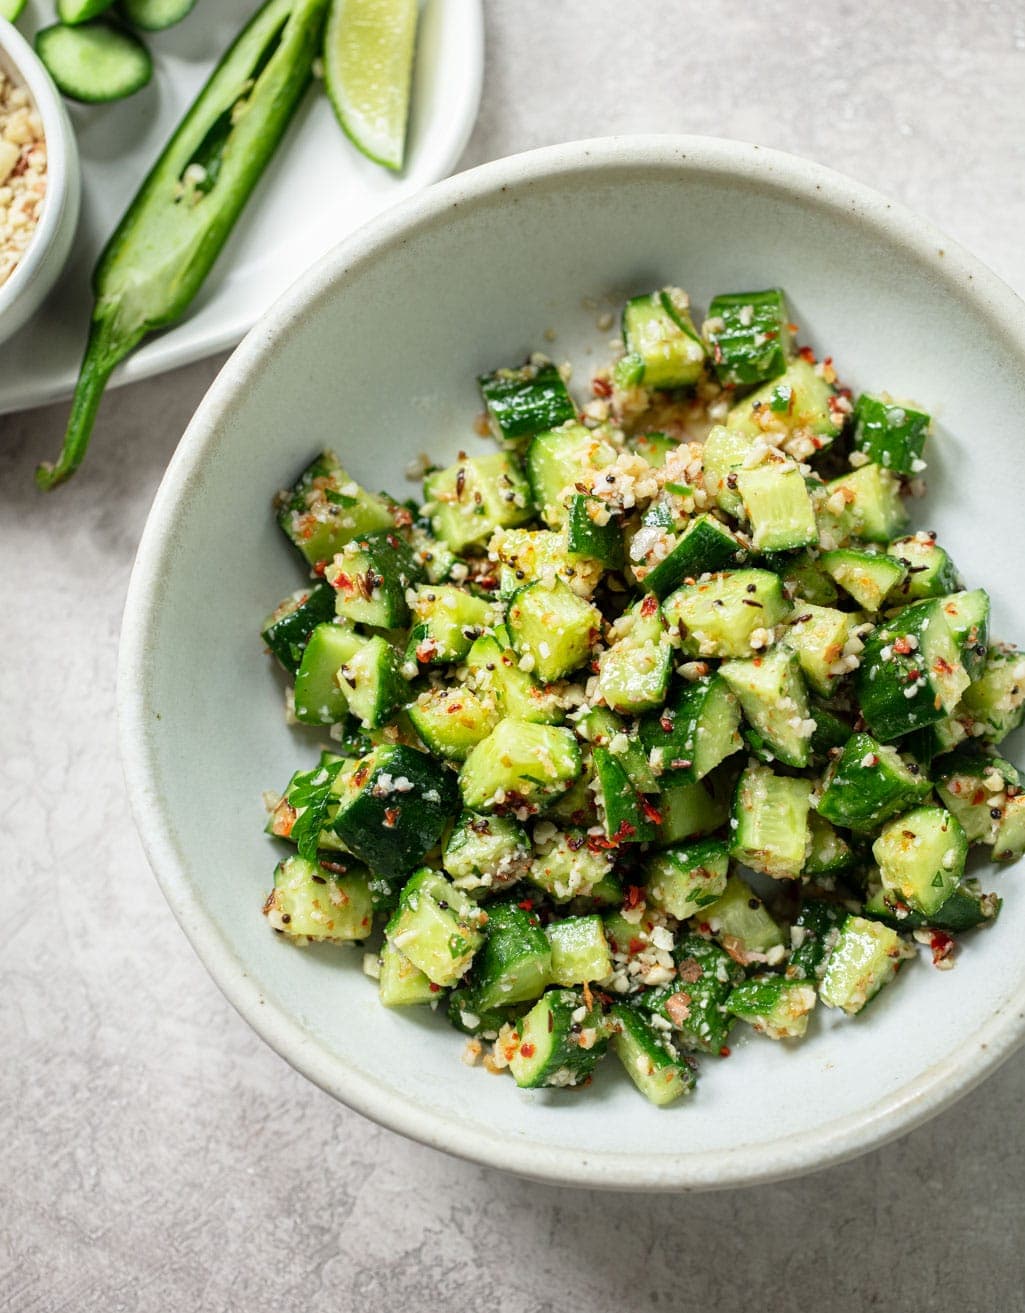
392	542
901	646
391	816
342	582
913	674
650	605
601	387
435	989
666	723
455	706
527	1050
651	813
942	946
942	666
634	896
717	353
771	335
724	1052
978	797
359	776
402	517
527	904
488	582
636	946
806	353
319	568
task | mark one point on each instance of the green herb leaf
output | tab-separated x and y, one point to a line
312	792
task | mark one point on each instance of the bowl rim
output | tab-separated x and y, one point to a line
896	1113
58	137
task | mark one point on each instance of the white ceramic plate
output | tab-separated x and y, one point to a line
375	351
317	189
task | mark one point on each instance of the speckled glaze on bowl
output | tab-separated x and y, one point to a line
374	352
47	253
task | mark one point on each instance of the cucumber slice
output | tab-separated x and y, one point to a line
325	509
452	721
975	789
486	853
493	668
828	853
694	731
930	571
794	410
819	635
921	857
1009	843
625	816
560	1041
310	902
865	957
695	1003
706	545
687	808
514	964
370	577
445	620
651	1061
770	823
966	908
813	935
580	951
890	433
526	401
683	880
527	555
870	506
868	784
968	617
660	336
560	459
633	674
748	334
400	983
996	701
719	617
155	15
287	630
553	627
73	12
776	502
774	1007
588	536
11	9
95	63
372	682
774	701
868	577
437	927
743	925
567	866
468	501
319	699
519	765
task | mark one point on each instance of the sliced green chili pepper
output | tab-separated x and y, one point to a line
173	231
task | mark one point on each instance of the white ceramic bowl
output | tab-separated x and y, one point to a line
375	352
37	271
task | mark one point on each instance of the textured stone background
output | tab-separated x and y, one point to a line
156	1156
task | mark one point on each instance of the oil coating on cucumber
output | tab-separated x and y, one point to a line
638	740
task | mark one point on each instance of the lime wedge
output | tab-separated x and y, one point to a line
368	69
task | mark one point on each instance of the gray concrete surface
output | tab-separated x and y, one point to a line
156	1156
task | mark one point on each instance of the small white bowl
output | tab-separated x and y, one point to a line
374	351
47	253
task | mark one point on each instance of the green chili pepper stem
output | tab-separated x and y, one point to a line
103	352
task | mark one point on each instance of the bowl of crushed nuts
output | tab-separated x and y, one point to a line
39	182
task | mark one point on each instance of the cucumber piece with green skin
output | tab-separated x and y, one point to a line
695	730
743	925
73	12
819	635
868	784
526	555
965	908
653	447
1009	843
484	854
658	331
318	788
831	731
468	501
310	902
494	670
872	506
769	824
930	571
566	865
687	809
94	63
608	892
394	805
828	852
11	9
514	963
748	336
975	789
996	700
435	558
325	509
705	546
437	927
695	1003
452	721
890	434
650	1060
803	577
287	629
633	672
774	700
580	951
400	984
723	456
625	815
156	15
812	937
778	507
968	617
718	616
162	250
370	577
589	537
446	620
773	1006
519	764
319	699
525	401
865	957
467	1016
869	577
560	459
560	1041
372	682
795	410
683	880
911	673
605	730
921	857
555	628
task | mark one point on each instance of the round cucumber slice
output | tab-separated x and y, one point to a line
94	63
74	12
155	15
368	71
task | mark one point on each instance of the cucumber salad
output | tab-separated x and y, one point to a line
656	716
